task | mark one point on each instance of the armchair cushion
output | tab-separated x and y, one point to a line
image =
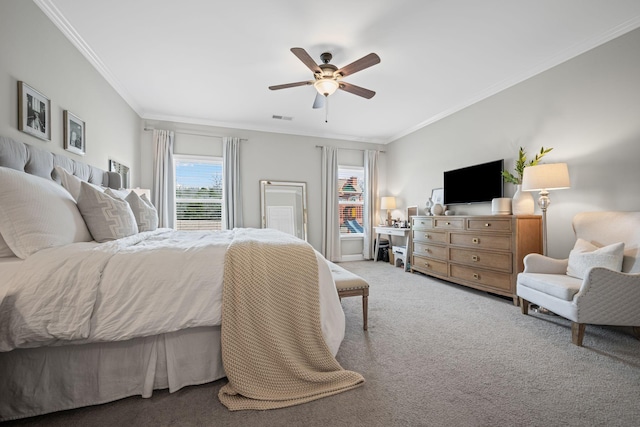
557	285
585	256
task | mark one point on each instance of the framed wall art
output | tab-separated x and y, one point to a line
74	133
34	112
437	196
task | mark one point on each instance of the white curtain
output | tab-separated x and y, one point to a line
370	201
330	218
163	177
232	189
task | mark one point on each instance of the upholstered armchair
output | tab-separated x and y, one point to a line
600	281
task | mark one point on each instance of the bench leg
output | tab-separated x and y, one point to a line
365	310
524	305
577	333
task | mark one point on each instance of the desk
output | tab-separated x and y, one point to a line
390	231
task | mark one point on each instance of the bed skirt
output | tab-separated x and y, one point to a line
47	379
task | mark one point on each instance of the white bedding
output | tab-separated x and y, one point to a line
150	283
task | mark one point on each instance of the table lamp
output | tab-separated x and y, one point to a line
388	203
545	177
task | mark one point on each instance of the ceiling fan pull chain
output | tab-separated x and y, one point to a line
326	109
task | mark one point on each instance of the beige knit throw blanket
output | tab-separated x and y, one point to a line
273	350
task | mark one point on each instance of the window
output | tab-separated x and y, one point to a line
351	199
198	193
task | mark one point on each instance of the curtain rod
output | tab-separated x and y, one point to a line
356	149
195	134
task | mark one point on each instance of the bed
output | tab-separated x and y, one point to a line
139	312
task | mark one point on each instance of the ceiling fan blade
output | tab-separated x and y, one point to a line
357	90
288	85
306	59
319	101
360	64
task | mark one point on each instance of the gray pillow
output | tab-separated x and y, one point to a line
144	211
107	218
71	182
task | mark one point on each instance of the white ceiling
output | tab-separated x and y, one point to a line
210	62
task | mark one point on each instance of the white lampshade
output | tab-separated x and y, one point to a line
554	176
326	87
388	202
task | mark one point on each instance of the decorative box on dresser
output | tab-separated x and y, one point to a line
482	252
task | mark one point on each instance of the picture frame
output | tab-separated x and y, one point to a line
34	112
437	196
74	133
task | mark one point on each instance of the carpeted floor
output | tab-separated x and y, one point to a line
436	354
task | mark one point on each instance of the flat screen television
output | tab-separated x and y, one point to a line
474	184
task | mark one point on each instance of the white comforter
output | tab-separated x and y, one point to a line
146	284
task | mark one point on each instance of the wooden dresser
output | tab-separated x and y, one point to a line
482	252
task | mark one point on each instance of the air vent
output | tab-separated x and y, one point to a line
276	117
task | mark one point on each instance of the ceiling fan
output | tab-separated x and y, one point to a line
327	78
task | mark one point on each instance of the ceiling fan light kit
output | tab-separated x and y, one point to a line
327	77
326	86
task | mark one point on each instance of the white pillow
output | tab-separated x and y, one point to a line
144	211
72	182
108	218
37	213
5	250
585	256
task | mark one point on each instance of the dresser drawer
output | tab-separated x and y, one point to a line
429	236
421	223
476	258
489	224
483	241
448	223
491	279
427	265
432	251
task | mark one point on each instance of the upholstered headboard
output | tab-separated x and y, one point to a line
36	161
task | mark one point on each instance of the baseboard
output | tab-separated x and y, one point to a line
356	257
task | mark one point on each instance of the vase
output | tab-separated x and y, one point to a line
522	202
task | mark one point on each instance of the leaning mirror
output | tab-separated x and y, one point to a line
284	206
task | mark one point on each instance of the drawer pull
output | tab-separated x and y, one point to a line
448	223
474	258
427	236
475	240
426	264
427	250
487	224
476	276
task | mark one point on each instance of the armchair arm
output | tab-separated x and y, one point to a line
609	297
536	263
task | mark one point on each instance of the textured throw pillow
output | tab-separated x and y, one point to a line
120	194
144	211
37	213
71	182
108	218
585	256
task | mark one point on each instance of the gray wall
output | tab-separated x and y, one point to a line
264	155
33	50
587	109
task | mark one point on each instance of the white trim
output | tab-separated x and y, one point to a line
58	19
355	257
